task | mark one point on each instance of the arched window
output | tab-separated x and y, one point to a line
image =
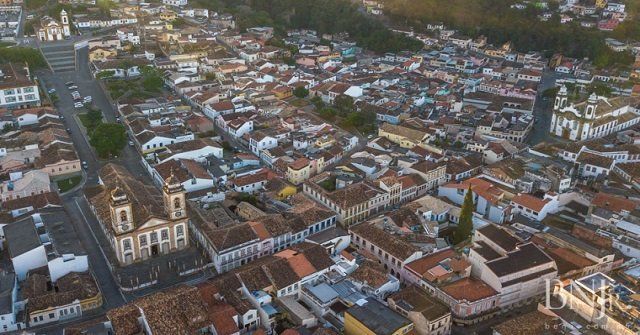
176	203
123	216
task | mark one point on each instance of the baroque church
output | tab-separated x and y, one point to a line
139	220
593	118
52	30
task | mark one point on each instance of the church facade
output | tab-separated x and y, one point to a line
594	118
140	221
52	30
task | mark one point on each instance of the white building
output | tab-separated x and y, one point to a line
9	306
516	270
533	207
594	118
51	30
17	89
175	3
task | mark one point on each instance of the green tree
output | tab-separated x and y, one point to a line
317	101
328	113
54	98
600	89
179	22
22	55
550	93
344	104
108	139
465	223
94	119
34	4
152	82
300	92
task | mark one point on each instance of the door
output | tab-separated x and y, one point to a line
154	250
145	253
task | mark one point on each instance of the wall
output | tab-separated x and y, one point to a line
30	260
61	266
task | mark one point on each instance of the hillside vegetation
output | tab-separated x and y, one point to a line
324	16
500	23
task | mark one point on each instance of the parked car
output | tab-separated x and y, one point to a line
130	143
51	91
88	98
69	83
78	105
73	87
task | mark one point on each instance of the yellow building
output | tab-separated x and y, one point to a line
325	141
98	53
279	189
71	295
374	318
299	171
283	92
168	15
403	136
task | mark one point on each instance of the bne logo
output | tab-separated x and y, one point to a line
597	298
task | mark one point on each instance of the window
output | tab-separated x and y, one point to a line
126	244
52	315
176	203
123	216
143	240
179	230
165	234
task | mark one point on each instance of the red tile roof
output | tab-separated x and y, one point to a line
529	201
469	289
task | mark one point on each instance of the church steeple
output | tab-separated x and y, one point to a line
64	19
174	197
592	105
561	98
121	210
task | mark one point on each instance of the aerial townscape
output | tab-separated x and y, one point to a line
320	167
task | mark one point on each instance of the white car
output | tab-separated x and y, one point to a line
51	91
73	87
78	105
88	98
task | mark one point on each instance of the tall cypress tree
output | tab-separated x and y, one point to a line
465	224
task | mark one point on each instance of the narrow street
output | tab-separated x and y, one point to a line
542	110
79	72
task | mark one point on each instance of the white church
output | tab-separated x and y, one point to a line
596	117
51	30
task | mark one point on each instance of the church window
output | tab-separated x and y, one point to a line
176	203
123	216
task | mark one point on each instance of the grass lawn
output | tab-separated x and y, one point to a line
65	185
300	103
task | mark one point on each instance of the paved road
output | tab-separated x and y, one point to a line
73	202
543	110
